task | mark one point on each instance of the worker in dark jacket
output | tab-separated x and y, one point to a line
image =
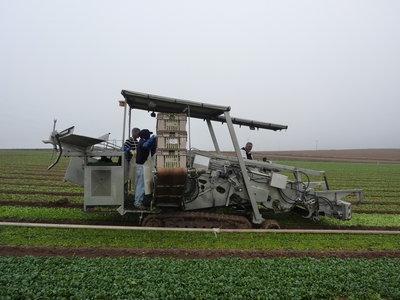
145	149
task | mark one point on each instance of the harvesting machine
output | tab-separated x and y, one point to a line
189	184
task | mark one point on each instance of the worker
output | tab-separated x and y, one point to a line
145	148
148	175
246	151
264	159
130	146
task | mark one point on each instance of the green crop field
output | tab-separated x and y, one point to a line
163	278
26	186
25	178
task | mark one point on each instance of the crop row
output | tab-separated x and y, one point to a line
37	197
23	175
374	179
41	188
143	239
49	214
372	207
357	172
9	182
225	278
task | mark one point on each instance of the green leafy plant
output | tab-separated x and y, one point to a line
225	278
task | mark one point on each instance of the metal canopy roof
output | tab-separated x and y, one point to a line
253	124
197	110
170	105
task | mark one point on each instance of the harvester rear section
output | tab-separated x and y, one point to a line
217	181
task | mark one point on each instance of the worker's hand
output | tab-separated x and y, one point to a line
127	149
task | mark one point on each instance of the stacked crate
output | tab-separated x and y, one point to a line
171	140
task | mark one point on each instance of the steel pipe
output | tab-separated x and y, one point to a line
213	230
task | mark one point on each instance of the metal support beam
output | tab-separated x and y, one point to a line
257	218
123	127
213	137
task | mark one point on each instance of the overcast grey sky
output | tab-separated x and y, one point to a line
330	70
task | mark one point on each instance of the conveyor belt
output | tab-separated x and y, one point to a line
170	186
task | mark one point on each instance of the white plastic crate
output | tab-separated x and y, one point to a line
171	140
167	158
171	122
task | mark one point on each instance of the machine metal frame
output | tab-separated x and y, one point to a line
105	183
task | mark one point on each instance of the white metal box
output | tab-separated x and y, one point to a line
201	161
278	180
104	185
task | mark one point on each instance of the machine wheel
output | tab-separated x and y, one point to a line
151	221
270	224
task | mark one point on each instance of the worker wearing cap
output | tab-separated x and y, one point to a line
144	151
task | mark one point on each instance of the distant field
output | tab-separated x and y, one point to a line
391	156
26	181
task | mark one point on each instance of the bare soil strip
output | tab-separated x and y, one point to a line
71	252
